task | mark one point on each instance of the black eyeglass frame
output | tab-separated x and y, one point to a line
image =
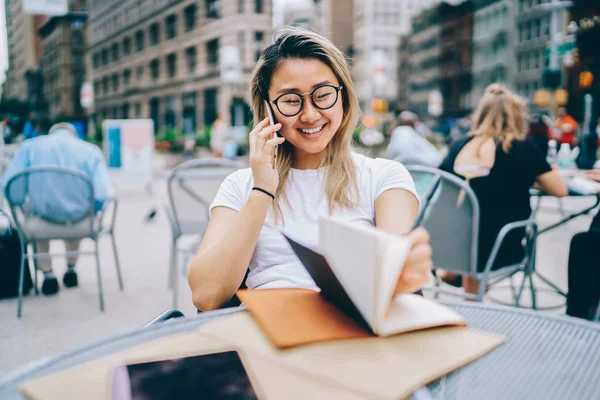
301	95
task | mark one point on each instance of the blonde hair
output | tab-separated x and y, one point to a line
501	116
341	186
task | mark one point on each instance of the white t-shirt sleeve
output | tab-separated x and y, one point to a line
391	174
232	193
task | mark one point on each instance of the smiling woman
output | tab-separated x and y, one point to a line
305	81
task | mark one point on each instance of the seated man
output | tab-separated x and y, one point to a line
584	268
52	197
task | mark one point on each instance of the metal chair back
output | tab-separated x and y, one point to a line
452	221
57	195
192	186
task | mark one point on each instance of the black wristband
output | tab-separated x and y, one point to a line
264	191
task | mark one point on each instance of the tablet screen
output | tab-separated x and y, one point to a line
210	376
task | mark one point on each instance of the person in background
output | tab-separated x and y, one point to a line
566	128
508	166
306	80
584	268
61	147
219	135
539	133
409	146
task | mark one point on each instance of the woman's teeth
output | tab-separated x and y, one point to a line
314	130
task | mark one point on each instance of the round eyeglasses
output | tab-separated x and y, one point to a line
322	97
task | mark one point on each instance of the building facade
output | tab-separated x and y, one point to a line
24	53
494	44
378	27
162	59
533	36
64	44
403	74
425	59
456	58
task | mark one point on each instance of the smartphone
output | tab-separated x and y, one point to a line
272	122
210	376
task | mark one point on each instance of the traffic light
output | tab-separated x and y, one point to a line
551	78
586	78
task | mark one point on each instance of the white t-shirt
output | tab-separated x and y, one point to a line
273	263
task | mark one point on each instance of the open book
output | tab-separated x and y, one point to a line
357	268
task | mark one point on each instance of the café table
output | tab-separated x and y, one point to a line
543	357
538	195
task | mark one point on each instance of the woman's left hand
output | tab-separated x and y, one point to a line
418	264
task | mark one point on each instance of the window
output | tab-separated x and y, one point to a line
115	82
537	28
77	58
126	77
526	62
528	30
104	57
258	6
190	55
96	87
547	27
138	110
95	60
212	9
105	84
172	65
139	40
155	69
77	38
189	15
139	73
126	46
536	60
241	6
154	34
521	32
171	26
258	43
115	51
212	52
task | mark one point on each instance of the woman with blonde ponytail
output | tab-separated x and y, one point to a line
305	81
501	167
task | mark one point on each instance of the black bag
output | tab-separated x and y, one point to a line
10	260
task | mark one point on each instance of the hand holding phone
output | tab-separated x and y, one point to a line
272	122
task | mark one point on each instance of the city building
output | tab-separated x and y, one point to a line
533	36
494	44
403	74
175	62
333	19
63	64
23	79
425	49
456	58
378	27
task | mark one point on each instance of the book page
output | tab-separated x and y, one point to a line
394	250
351	251
411	312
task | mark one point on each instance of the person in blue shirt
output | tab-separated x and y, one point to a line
52	197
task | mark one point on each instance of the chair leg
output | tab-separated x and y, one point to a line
173	263
21	280
533	296
35	270
117	264
174	278
100	294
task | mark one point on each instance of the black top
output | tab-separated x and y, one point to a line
503	195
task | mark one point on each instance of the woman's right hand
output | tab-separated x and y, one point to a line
262	151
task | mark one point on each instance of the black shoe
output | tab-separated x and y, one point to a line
50	286
70	278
